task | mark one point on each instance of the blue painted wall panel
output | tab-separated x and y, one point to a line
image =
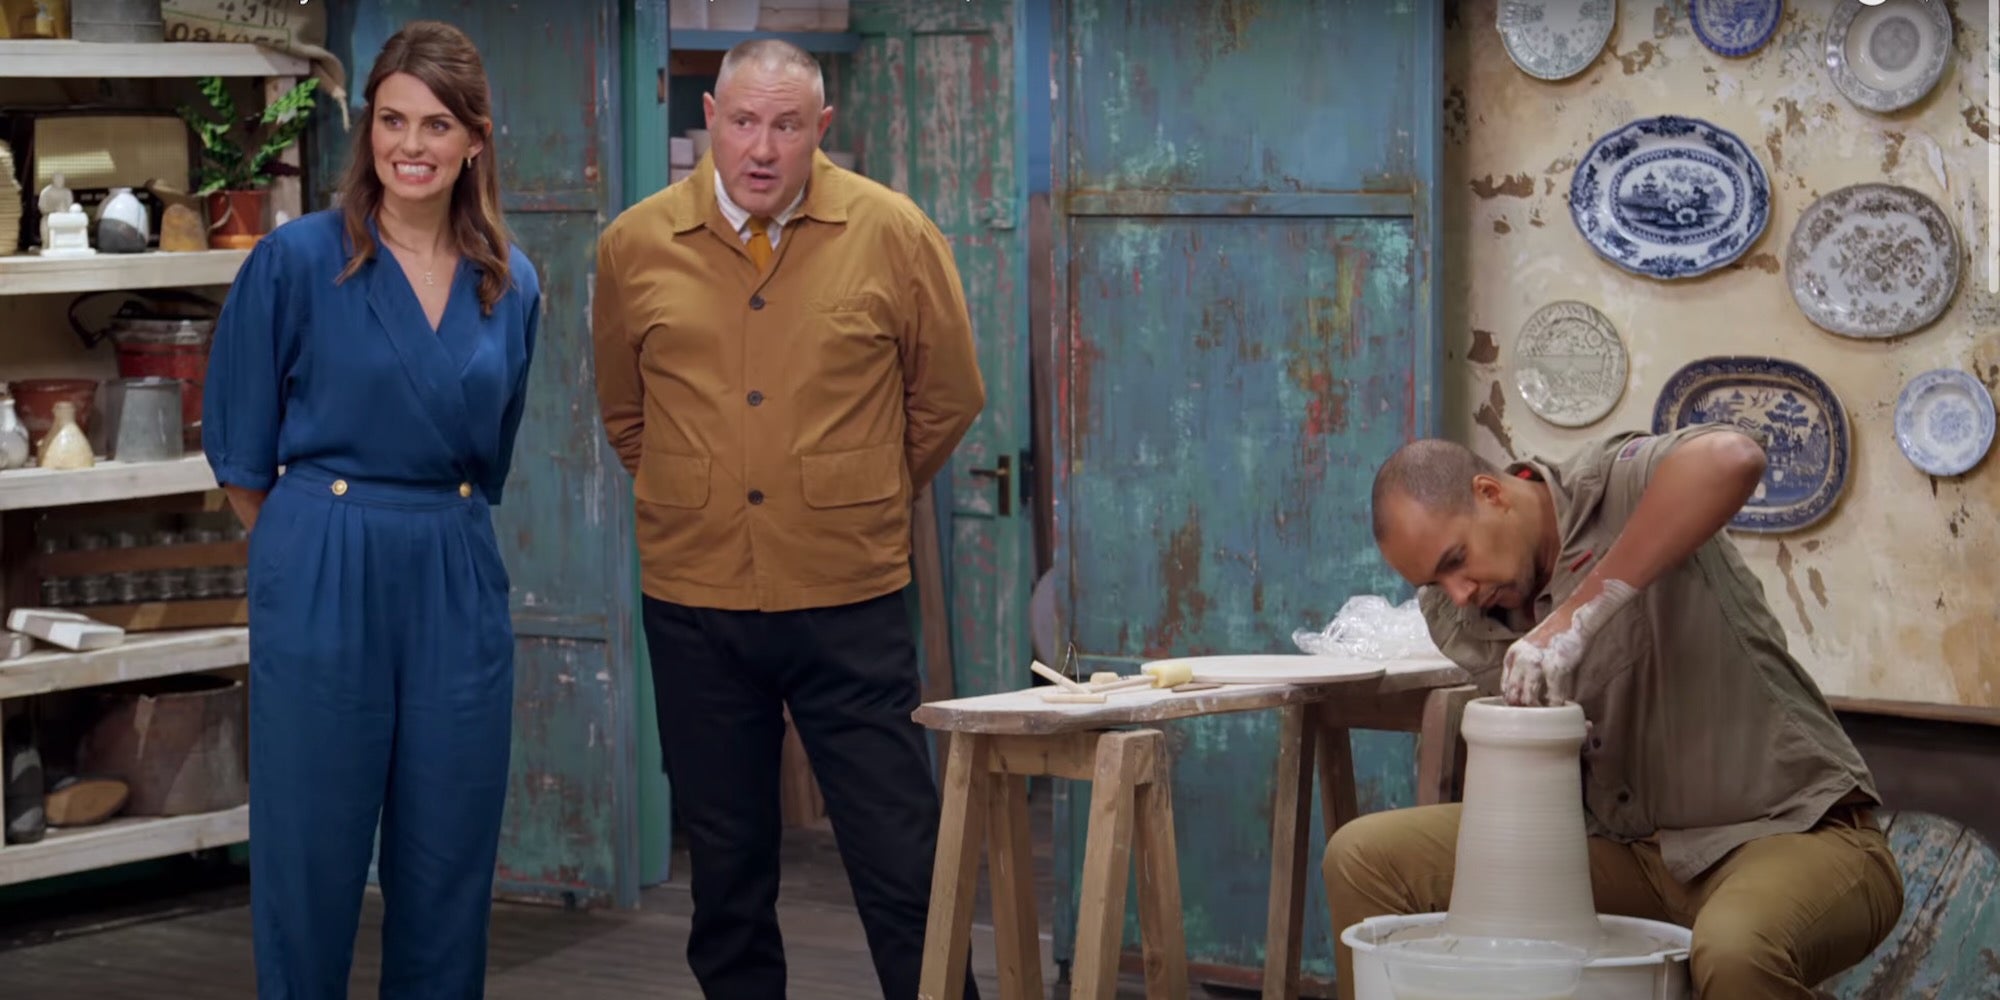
1244	328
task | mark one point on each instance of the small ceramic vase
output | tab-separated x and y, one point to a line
13	436
66	447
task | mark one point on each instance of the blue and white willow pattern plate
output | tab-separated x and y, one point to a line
1735	27
1790	410
1670	197
1944	422
1555	39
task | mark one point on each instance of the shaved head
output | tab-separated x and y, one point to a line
1435	473
775	57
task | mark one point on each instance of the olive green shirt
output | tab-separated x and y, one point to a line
1706	733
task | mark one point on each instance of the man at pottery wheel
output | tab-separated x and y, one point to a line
1720	792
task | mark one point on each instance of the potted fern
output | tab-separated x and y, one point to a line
237	166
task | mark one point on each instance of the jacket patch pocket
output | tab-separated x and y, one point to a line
670	480
847	478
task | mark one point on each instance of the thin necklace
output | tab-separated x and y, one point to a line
430	280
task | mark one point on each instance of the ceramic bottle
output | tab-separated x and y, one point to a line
65	447
13	436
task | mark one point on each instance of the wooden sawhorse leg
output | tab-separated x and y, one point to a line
1317	734
1131	818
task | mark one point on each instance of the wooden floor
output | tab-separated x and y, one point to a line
191	941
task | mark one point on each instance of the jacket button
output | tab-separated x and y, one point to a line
465	489
756	496
756	398
756	302
340	487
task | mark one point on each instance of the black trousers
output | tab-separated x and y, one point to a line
849	675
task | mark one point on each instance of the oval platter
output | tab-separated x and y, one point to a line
1944	422
1796	416
1670	197
1887	55
1873	260
1735	27
1555	39
1569	364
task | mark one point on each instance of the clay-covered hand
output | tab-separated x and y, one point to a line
1540	667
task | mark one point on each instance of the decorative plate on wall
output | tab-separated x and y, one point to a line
1886	56
1797	417
1670	197
1944	422
1735	27
1569	364
1555	39
1873	260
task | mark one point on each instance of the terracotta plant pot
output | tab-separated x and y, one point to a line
235	219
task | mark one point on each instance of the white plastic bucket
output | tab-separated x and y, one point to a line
1656	973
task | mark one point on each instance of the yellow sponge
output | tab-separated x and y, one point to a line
1172	673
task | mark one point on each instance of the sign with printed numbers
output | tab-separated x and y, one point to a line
271	22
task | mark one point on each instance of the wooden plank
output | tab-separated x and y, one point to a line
32	274
1024	711
927	560
105	481
66	59
1925	710
154	616
137	658
139	559
121	841
1232	204
723	41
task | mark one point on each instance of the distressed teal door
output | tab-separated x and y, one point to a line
564	530
927	103
1246	326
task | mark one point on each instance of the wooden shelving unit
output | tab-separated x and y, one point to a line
32	274
66	60
143	655
24	488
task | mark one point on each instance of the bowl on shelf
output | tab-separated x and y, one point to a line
35	400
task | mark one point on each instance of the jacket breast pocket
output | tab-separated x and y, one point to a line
851	478
670	480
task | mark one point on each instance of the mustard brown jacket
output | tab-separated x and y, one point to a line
777	425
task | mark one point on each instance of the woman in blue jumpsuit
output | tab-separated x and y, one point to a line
387	386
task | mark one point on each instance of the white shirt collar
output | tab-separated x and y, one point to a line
739	218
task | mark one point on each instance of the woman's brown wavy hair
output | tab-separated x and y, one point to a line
448	63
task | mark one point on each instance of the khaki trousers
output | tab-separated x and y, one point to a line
1771	920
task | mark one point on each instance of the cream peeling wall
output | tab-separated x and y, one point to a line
1893	594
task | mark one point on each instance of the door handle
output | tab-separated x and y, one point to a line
1003	477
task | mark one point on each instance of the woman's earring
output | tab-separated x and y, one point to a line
468	163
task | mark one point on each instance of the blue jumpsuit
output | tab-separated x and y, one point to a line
381	649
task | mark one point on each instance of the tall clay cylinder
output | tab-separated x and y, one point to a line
1523	868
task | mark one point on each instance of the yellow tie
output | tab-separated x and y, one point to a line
760	243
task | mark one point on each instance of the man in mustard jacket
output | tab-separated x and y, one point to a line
783	358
